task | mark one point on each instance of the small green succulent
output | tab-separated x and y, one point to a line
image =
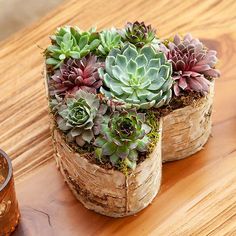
139	34
71	42
123	136
140	78
80	117
109	39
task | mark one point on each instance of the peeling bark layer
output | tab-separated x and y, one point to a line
186	130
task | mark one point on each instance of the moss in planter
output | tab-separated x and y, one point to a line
152	121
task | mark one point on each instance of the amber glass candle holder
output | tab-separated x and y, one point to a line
9	211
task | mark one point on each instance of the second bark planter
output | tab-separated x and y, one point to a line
186	130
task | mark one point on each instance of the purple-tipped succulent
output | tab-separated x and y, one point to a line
193	64
76	74
138	33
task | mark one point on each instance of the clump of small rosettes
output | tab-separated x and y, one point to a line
109	39
70	42
76	74
138	33
193	64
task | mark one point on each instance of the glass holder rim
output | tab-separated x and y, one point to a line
10	170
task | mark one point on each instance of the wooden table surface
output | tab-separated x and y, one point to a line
198	194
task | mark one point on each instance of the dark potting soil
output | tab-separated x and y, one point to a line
185	99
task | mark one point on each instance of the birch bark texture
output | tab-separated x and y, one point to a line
109	191
186	130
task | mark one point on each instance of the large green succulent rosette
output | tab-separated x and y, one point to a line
140	78
123	136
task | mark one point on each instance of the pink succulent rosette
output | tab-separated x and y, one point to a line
193	64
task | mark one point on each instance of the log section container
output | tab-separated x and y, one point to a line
107	191
186	130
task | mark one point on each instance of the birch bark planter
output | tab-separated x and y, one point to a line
109	192
186	130
95	80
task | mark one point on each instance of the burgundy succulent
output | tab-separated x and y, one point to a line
76	74
193	64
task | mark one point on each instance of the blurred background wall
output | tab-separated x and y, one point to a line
16	14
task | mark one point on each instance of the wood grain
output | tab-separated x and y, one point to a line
197	195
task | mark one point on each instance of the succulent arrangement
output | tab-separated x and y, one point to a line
104	85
